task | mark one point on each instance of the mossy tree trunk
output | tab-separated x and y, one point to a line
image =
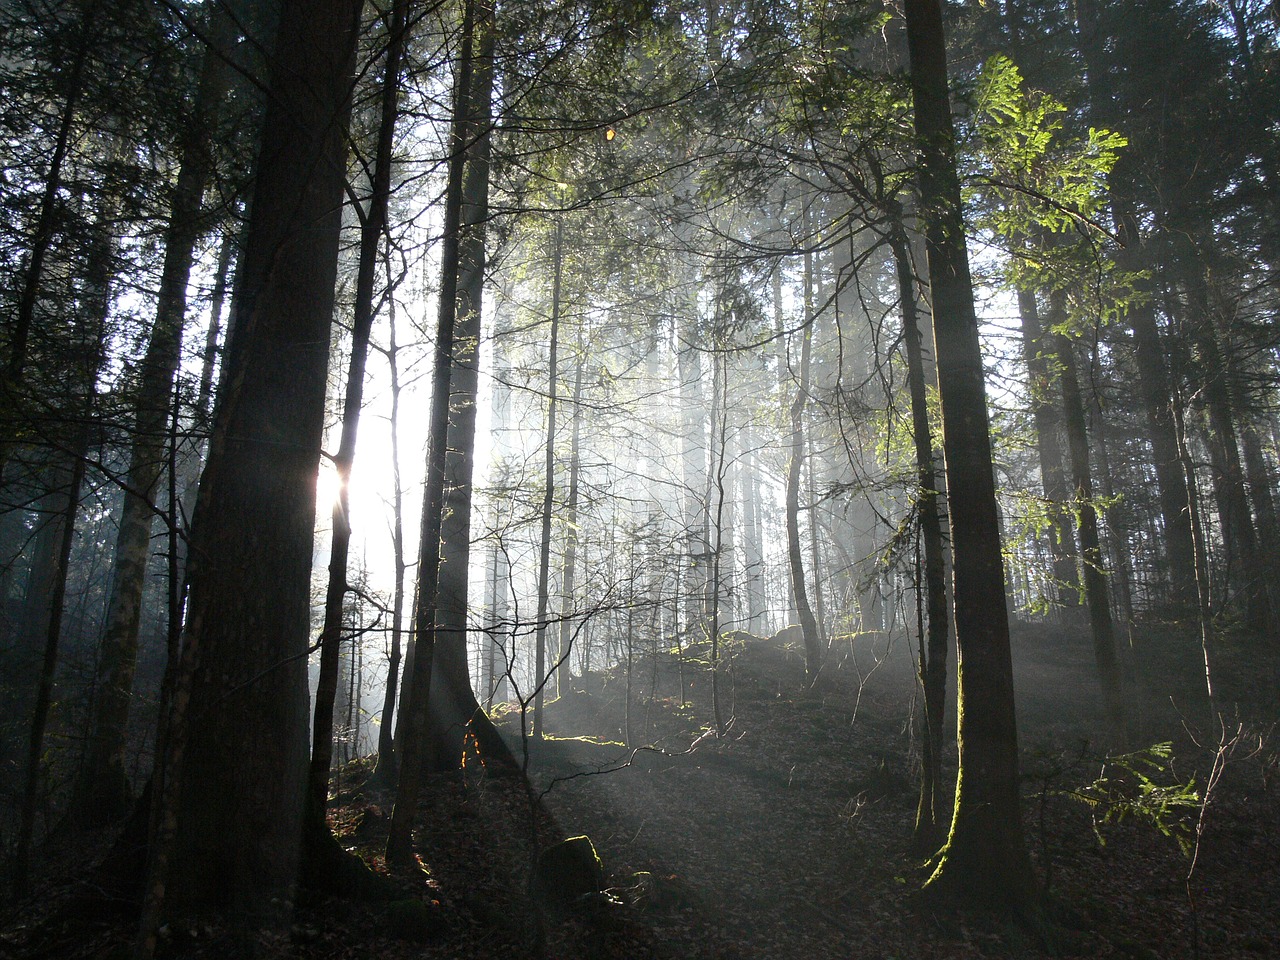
928	833
985	857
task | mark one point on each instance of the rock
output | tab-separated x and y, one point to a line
566	871
788	635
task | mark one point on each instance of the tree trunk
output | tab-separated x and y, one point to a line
716	477
1047	417
813	647
103	794
693	462
453	706
1239	538
64	499
1122	578
373	223
1155	390
985	858
1261	491
571	528
386	768
189	466
1095	577
752	539
540	676
229	826
413	746
1154	385
928	834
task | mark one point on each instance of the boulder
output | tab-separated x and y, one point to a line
566	871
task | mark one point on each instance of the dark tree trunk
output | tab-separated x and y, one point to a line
386	768
1122	576
1150	355
1047	417
1239	538
813	646
1261	492
1096	594
228	825
454	709
64	500
716	482
103	793
373	223
413	728
985	858
1155	391
933	652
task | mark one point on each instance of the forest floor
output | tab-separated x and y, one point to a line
788	835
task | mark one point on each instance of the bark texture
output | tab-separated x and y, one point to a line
229	826
985	858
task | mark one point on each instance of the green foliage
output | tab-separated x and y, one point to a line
1035	176
1040	187
1143	786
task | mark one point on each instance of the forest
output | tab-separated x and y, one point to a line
715	479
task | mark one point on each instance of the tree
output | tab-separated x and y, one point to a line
372	224
985	857
813	646
232	783
933	651
103	792
453	706
426	606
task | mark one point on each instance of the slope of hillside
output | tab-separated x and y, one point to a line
787	835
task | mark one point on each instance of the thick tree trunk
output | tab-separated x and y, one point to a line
233	777
371	229
985	858
453	707
413	746
1261	492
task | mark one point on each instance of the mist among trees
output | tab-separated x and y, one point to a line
639	480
